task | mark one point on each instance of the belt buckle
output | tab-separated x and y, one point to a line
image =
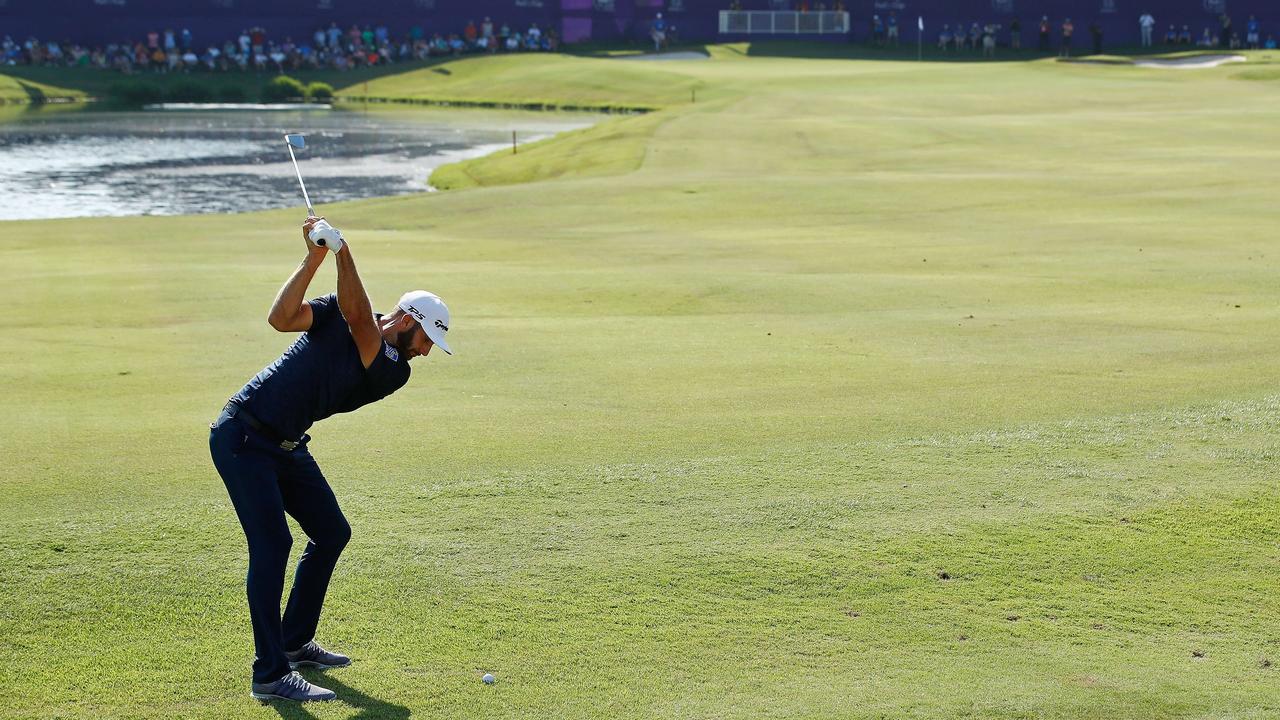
288	445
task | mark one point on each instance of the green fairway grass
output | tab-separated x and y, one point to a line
550	79
852	389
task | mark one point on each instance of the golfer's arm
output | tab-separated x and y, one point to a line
355	307
290	312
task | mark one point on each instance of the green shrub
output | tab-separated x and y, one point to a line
231	94
320	92
134	92
188	91
283	89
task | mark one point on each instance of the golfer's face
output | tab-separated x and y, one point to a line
415	342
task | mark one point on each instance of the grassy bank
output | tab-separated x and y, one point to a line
531	80
852	389
19	90
552	80
101	84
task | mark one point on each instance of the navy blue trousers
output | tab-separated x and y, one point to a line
265	482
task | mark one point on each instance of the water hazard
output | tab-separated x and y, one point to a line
89	164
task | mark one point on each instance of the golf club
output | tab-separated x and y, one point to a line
297	140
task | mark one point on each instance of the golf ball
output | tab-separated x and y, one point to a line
488	679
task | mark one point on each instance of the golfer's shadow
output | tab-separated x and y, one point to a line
370	708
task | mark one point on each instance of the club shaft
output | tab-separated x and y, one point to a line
300	183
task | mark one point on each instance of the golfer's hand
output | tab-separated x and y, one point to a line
325	235
306	235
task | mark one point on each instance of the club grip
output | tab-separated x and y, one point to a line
322	234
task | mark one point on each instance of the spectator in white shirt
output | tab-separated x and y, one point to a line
1148	24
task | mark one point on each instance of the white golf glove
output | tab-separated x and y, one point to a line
326	235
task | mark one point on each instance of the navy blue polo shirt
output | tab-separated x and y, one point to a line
320	375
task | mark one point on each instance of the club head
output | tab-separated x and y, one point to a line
297	140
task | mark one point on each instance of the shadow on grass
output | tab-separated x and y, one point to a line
35	95
370	708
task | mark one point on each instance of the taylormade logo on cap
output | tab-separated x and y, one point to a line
431	313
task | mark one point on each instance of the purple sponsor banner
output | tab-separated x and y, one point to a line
575	29
97	21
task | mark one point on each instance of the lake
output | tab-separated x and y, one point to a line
90	164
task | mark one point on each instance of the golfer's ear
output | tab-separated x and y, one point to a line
406	321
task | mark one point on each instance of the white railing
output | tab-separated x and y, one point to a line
769	22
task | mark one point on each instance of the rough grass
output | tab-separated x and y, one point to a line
873	390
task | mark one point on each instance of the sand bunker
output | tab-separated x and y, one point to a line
1191	63
681	55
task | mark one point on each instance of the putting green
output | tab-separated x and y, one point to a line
852	389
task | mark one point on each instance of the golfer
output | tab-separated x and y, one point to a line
346	357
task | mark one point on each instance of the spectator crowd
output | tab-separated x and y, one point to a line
337	49
1226	36
1049	34
327	48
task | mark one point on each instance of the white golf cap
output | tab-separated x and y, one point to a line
431	313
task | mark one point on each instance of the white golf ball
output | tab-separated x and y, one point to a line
488	679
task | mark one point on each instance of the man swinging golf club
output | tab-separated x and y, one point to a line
346	357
